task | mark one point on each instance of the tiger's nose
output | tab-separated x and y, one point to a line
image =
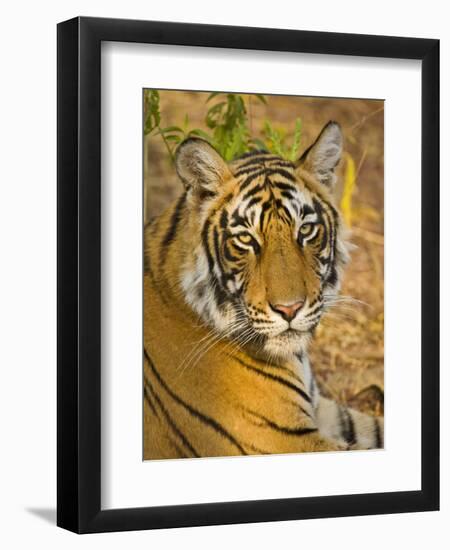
288	312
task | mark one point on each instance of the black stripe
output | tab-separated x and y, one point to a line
280	172
264	208
153	226
149	400
256	168
179	450
332	272
228	255
255	245
194	412
275	158
306	210
265	156
206	245
257	449
281	208
252	202
283	429
251	177
282	163
327	216
275	378
219	293
250	171
288	195
324	261
261	158
161	292
377	430
251	164
334	226
321	220
253	153
332	278
314	311
304	411
347	425
316	299
146	264
217	250
169	419
172	230
224	219
281	368
282	186
237	219
253	191
174	220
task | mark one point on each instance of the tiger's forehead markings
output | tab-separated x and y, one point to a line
250	178
256	157
259	163
265	187
267	196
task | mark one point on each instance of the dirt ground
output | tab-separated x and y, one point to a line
347	352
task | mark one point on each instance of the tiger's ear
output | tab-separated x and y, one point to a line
200	167
322	157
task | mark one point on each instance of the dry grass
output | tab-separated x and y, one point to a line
348	349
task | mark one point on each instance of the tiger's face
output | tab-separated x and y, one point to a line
266	242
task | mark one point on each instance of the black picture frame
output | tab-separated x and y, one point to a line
79	280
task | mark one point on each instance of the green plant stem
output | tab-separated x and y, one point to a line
167	145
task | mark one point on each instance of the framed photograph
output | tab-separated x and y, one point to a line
248	254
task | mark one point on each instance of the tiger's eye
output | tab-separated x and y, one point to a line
244	238
306	229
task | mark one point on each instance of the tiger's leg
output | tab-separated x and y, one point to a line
358	430
340	423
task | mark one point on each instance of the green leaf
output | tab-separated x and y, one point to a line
211	96
148	128
217	107
275	144
293	156
259	144
229	127
171	129
261	98
200	133
174	138
151	110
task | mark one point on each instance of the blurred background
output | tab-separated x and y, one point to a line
347	352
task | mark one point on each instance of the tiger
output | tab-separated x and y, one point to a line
238	272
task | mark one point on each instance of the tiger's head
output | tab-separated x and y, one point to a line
265	243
